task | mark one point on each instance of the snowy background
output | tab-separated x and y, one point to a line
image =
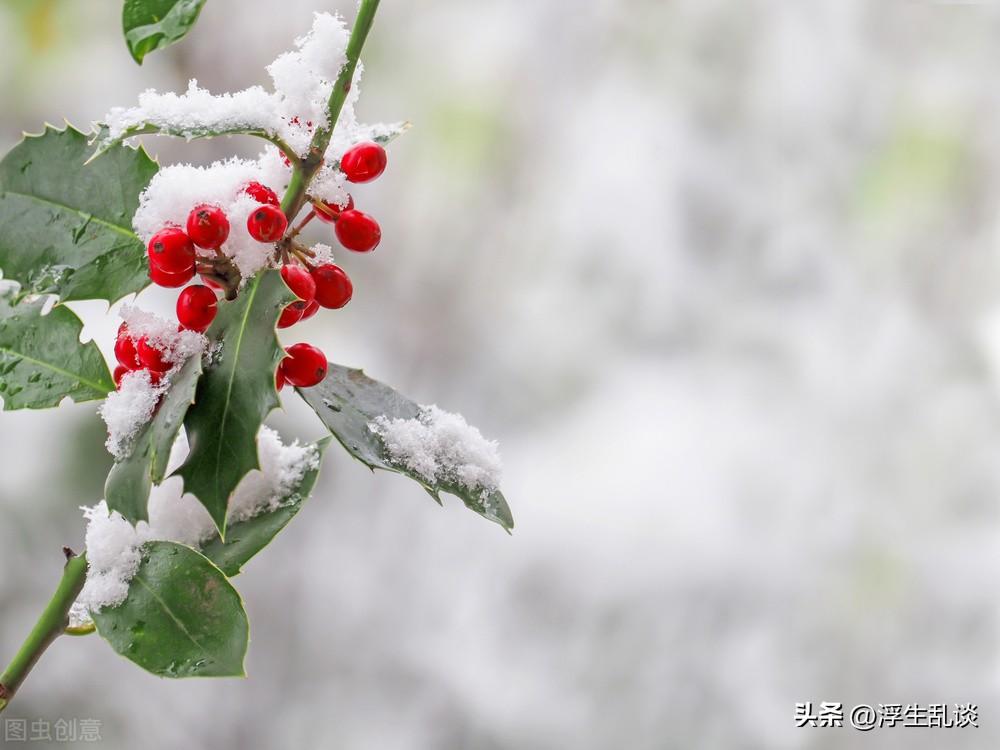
721	276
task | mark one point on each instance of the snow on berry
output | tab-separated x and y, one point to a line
175	190
113	544
127	409
177	346
441	447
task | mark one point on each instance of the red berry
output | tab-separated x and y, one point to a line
267	224
171	251
292	314
304	366
125	351
357	231
207	226
151	357
329	212
211	283
196	307
299	281
279	378
333	286
261	193
171	280
363	162
155	377
119	374
311	309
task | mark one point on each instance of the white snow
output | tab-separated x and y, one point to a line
127	409
175	190
113	544
177	346
324	254
282	468
303	80
197	111
441	447
130	407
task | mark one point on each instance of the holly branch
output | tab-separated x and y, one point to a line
54	619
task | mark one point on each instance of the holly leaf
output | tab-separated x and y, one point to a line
381	134
42	360
131	479
246	538
235	394
104	141
66	229
347	401
154	24
182	616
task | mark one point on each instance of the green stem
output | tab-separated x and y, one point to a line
50	626
305	169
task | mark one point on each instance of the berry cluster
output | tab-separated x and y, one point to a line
177	255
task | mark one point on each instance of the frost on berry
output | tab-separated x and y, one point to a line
261	193
174	190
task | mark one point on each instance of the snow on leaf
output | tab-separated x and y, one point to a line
181	618
353	406
132	476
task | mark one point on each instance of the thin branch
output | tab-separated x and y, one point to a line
52	623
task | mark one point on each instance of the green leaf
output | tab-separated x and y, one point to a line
182	617
42	360
154	24
131	479
347	401
104	141
235	394
66	228
246	538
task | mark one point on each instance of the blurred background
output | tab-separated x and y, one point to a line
721	276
